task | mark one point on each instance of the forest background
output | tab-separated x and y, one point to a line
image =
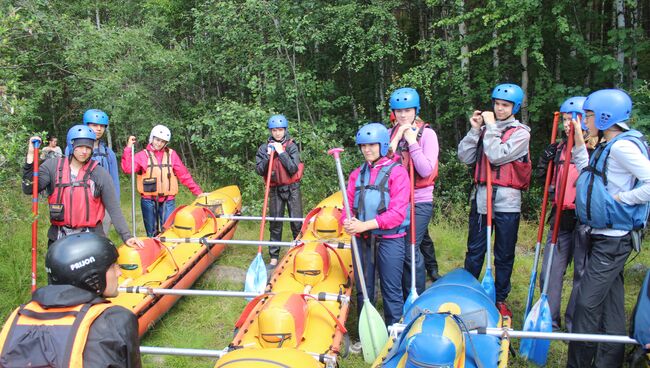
214	71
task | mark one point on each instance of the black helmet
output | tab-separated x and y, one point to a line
80	260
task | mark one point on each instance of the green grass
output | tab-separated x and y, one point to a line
207	322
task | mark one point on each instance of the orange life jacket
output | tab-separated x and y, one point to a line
62	331
75	203
159	178
514	174
570	190
280	175
405	157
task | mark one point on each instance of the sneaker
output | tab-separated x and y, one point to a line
270	268
504	310
355	348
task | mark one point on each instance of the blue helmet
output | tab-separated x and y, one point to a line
80	135
278	121
405	98
94	116
509	92
374	133
574	105
610	106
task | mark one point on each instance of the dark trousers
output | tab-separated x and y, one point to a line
280	197
423	212
600	303
581	248
387	257
561	257
428	250
505	226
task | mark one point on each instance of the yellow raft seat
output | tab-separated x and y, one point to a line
288	323
176	265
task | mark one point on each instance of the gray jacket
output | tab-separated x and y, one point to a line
498	153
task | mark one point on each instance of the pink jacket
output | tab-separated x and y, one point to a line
142	161
425	159
398	184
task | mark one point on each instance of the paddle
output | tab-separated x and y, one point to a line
36	143
256	275
413	294
539	319
133	187
372	330
488	280
542	218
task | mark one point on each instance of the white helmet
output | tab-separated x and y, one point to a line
161	132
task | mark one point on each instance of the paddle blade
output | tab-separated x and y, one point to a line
488	285
531	293
372	332
256	276
538	320
409	300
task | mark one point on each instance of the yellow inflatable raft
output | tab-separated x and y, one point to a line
300	321
176	265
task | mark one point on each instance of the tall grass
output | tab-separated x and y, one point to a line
207	322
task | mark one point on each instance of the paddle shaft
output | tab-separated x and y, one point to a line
488	197
248	242
221	293
133	188
558	212
517	334
542	218
353	239
413	237
36	144
258	218
266	197
155	350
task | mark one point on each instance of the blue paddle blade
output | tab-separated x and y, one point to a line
409	301
538	320
488	285
256	276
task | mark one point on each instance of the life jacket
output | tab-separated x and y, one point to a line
279	174
402	150
592	191
373	199
514	174
34	336
101	155
640	328
159	177
77	203
570	190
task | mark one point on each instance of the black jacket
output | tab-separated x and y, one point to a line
290	158
113	337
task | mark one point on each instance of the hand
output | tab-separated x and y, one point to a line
549	153
354	226
134	242
411	135
476	120
277	147
617	198
30	146
579	139
130	141
488	117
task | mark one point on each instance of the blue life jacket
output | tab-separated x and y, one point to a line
594	205
640	328
373	199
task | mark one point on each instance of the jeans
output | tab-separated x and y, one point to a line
505	226
387	256
149	212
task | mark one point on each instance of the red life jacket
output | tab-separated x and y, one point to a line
279	174
405	158
570	190
75	204
514	174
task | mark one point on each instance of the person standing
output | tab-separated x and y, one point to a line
52	150
159	169
286	173
612	196
79	191
413	142
70	322
501	139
